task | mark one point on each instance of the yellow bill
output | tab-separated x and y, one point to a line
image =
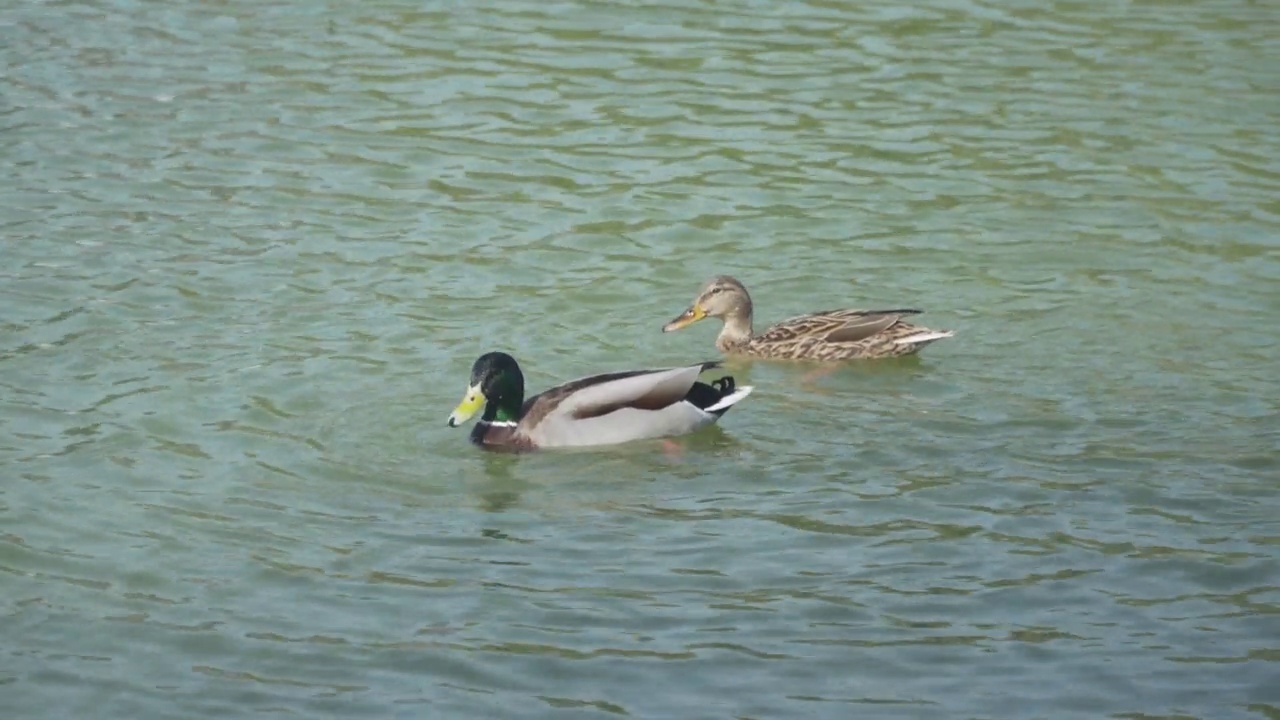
471	403
686	318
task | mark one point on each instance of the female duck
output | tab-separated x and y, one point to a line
824	335
596	410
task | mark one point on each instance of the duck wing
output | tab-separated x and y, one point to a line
616	407
835	326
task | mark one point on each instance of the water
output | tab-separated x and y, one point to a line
250	251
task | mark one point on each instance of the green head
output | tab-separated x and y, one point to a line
498	385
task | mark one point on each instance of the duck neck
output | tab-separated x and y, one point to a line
736	331
505	402
500	413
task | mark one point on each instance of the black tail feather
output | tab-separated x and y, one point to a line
704	395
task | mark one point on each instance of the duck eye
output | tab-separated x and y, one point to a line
716	290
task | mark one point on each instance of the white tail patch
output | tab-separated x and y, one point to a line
923	337
731	399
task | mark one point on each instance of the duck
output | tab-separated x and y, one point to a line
602	409
826	335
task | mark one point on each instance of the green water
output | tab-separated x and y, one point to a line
250	251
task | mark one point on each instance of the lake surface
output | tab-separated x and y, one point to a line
250	251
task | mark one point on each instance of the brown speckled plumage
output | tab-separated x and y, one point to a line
827	335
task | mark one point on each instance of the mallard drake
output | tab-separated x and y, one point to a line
824	335
597	410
